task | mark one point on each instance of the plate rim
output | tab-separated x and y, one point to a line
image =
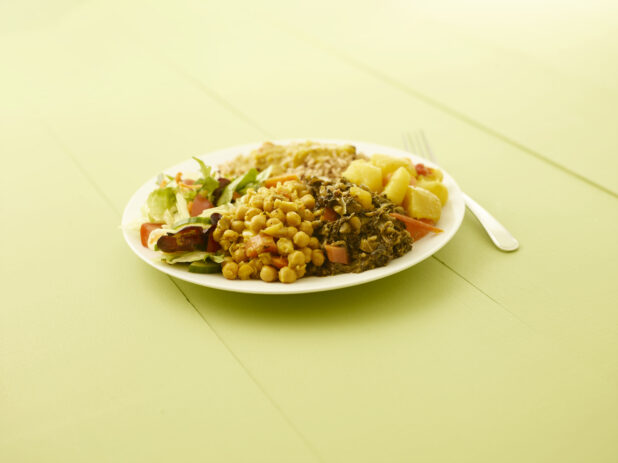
303	285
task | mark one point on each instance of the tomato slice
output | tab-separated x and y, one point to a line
422	169
145	230
279	261
199	204
212	245
337	254
258	244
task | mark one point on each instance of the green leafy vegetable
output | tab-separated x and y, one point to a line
210	183
236	185
264	175
159	201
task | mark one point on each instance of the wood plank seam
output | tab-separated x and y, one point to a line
253	378
393	82
64	148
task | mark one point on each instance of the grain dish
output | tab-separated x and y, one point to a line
282	218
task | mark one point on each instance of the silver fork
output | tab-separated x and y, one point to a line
496	231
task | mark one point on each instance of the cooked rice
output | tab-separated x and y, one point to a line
306	159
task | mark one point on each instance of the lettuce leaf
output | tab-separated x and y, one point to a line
210	183
236	185
160	201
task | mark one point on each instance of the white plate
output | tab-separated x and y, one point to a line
452	215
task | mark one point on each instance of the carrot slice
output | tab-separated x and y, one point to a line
329	215
337	254
271	182
416	228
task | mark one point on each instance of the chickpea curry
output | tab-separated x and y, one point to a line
344	213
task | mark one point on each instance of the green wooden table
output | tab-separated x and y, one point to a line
473	355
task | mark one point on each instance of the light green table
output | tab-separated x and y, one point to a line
472	356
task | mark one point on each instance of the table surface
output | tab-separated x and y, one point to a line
473	355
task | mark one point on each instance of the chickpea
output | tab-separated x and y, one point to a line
246	234
300	271
308	215
314	243
338	209
241	211
272	221
286	206
307	253
252	212
278	214
245	271
238	226
268	205
257	265
266	258
268	273
291	231
308	201
287	275
257	201
224	223
301	239
274	230
293	219
307	228
296	259
258	222
285	246
217	234
239	254
317	257
230	270
230	235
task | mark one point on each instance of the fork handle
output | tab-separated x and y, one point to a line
496	231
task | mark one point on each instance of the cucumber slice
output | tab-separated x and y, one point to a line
192	221
204	267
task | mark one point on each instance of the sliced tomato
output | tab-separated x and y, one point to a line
422	169
329	215
271	182
416	228
199	204
337	254
212	245
258	244
145	230
279	261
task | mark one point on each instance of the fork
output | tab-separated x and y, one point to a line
496	231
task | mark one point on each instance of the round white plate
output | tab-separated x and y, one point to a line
452	215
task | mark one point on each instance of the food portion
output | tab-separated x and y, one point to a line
284	212
306	159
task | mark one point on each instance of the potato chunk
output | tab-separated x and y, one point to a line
437	188
389	164
363	173
397	186
422	204
363	197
